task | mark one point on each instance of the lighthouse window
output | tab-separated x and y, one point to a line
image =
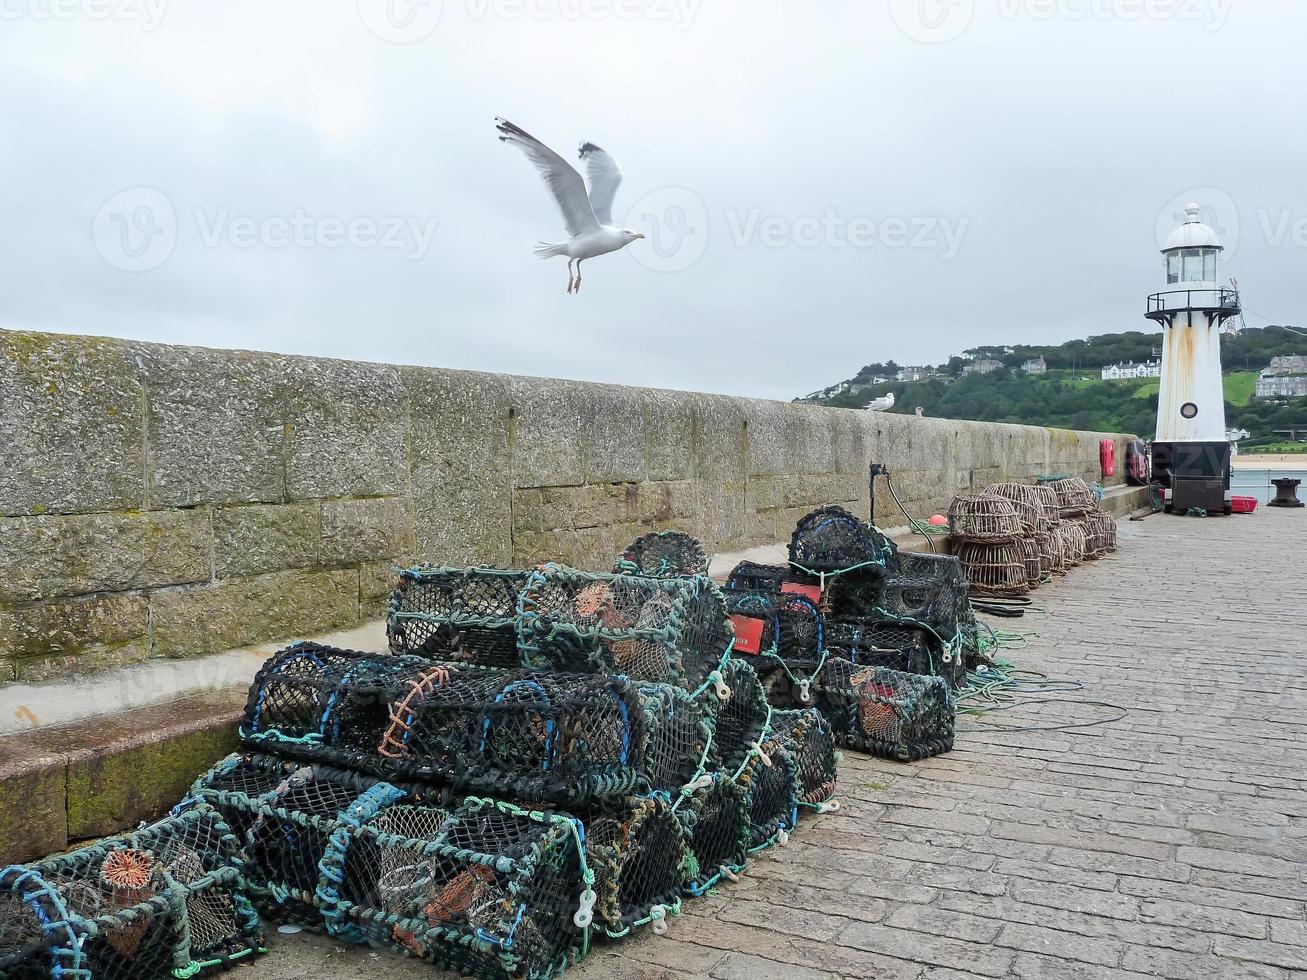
1193	265
1173	268
1209	265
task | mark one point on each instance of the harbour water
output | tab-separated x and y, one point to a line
1252	475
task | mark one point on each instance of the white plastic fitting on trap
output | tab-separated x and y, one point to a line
830	806
804	694
585	914
782	837
658	916
762	754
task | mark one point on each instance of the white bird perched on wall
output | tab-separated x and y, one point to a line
588	218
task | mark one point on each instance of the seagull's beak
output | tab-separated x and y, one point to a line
639	234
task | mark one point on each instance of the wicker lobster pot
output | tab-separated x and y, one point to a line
1034	565
1030	504
1095	539
1072	536
166	900
457	615
1047	498
1074	498
1106	527
663	554
671	630
1049	555
983	517
994	569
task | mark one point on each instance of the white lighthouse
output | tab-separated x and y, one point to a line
1191	454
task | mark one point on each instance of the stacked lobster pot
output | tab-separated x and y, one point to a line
1089	532
168	900
987	533
850	602
541	758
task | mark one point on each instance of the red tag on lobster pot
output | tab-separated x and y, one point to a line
748	633
809	592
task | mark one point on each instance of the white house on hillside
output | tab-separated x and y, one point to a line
1130	370
983	366
1036	365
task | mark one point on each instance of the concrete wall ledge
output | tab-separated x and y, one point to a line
79	782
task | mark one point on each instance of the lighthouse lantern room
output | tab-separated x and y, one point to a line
1191	454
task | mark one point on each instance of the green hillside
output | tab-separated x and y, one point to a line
1071	393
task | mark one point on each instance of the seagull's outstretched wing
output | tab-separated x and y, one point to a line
562	179
604	179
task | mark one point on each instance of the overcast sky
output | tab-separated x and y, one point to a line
822	184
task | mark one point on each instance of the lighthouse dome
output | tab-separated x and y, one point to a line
1194	233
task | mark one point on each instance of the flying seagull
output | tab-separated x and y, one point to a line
588	218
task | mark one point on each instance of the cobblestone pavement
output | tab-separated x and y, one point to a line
1167	844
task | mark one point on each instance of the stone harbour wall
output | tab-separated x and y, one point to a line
177	501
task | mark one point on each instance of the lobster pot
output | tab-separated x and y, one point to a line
1107	527
663	554
831	541
671	630
929	589
1034	570
770	779
284	815
873	642
1053	551
487	889
678	733
741	719
167	900
1045	546
457	615
994	569
715	819
1074	497
309	699
1073	542
1030	504
527	735
984	517
810	741
750	576
790	644
1048	502
891	714
1095	540
640	860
